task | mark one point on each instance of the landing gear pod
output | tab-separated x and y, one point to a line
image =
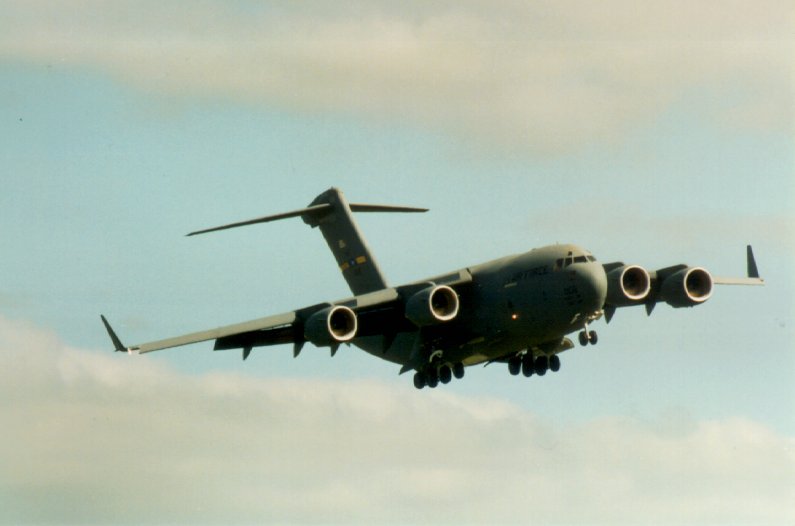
331	326
688	287
433	305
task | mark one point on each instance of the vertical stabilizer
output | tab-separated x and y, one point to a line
346	242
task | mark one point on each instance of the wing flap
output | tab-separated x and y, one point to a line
259	338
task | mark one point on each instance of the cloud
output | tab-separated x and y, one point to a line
544	76
102	438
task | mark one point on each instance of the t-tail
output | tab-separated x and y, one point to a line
332	213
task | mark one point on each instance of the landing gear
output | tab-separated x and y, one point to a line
445	374
528	365
587	337
554	363
514	365
541	365
434	374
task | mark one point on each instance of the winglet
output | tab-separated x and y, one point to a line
753	271
116	341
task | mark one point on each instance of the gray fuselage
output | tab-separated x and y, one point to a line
520	302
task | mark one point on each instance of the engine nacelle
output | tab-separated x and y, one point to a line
688	287
627	285
330	326
433	305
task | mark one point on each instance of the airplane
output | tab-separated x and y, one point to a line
517	309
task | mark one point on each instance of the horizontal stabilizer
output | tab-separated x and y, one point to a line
316	209
357	207
310	214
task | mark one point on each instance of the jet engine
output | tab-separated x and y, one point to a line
687	287
436	304
330	326
627	285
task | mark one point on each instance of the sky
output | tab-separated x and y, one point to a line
653	134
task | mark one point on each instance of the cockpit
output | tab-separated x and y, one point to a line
572	258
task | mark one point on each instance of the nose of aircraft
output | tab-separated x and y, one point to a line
592	281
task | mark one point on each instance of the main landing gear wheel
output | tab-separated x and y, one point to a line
514	365
445	374
528	365
432	376
541	365
554	363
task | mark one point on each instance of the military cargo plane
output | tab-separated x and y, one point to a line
517	310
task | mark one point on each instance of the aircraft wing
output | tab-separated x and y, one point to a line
274	326
679	285
377	313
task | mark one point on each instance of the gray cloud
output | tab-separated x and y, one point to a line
545	76
99	438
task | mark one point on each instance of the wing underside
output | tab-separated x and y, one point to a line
377	313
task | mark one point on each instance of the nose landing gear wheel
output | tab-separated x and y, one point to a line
587	337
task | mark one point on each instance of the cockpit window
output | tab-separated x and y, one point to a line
570	259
